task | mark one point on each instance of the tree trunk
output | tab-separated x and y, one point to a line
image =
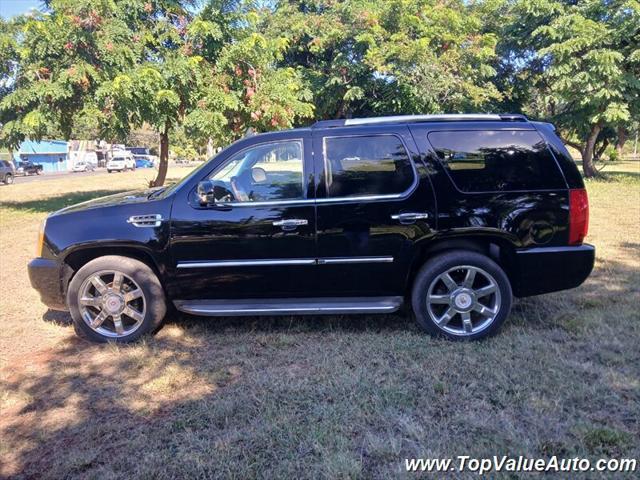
622	139
587	153
164	158
600	151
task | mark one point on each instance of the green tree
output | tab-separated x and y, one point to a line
246	87
579	65
110	67
401	56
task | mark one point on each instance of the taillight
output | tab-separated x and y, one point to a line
578	216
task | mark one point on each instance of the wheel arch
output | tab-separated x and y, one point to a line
499	249
77	258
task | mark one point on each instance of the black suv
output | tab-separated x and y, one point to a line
452	215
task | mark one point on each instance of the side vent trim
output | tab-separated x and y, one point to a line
141	221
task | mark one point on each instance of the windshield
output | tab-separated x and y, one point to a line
174	186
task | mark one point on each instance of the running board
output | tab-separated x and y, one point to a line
289	306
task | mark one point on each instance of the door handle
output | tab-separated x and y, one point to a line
291	223
409	217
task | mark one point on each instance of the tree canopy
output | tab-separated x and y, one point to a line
206	72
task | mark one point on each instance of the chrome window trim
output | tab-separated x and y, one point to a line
361	198
302	201
281	262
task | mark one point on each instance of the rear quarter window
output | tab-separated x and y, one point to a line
497	160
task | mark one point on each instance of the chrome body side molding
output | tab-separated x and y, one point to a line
284	261
247	263
342	260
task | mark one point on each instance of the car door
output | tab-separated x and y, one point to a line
374	205
258	239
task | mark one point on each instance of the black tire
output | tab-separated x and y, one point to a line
109	171
139	272
8	179
445	262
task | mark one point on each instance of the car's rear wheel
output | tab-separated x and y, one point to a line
116	298
8	179
461	295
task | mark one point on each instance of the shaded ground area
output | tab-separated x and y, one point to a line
324	397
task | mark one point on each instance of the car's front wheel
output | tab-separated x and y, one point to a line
8	179
116	298
461	295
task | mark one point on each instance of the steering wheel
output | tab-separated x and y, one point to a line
238	192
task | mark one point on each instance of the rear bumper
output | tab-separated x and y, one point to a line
46	278
544	270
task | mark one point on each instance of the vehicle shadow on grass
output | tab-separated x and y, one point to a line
53	203
57	317
300	324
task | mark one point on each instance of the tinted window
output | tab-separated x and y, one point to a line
268	172
497	160
366	165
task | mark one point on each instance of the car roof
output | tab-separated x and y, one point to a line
467	119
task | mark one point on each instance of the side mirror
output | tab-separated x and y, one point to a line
209	193
205	193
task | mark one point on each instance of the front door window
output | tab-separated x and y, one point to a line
269	172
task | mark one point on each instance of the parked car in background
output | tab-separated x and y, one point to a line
83	167
7	172
142	161
121	163
143	156
450	215
27	167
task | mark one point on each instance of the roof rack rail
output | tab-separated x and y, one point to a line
448	117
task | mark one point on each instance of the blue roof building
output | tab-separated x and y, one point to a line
51	154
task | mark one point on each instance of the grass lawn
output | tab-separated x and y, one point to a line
325	397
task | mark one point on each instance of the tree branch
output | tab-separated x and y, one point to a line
575	145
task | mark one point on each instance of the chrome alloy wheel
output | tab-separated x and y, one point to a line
111	303
464	300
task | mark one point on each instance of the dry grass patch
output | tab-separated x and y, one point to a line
320	397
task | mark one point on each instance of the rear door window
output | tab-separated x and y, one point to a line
497	160
370	165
